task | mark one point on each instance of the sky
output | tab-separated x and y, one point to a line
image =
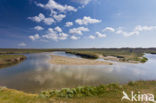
77	23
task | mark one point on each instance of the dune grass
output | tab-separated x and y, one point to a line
111	93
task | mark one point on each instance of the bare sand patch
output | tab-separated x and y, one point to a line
76	61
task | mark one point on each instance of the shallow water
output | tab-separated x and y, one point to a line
36	73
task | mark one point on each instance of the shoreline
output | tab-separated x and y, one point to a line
62	60
10	60
112	57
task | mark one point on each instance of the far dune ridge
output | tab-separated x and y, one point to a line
62	60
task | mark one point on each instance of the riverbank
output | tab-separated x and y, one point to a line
113	55
9	60
111	93
61	60
131	55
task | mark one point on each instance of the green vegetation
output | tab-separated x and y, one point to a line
19	51
123	54
8	60
144	59
88	55
111	93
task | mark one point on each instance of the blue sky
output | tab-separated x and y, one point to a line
77	23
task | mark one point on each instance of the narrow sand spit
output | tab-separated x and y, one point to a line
76	61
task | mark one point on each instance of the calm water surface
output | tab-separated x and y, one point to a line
36	73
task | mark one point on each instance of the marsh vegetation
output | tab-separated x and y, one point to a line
122	54
8	60
111	93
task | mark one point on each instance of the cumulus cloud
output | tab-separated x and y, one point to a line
127	33
144	28
78	30
38	28
55	34
48	21
83	2
42	18
100	35
63	36
87	20
51	34
68	24
109	29
38	18
136	30
22	44
58	29
92	37
54	6
74	37
59	17
34	37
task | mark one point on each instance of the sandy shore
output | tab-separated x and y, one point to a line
75	61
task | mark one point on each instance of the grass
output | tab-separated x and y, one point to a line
123	54
8	60
20	51
111	93
86	54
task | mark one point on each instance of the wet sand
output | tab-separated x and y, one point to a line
61	60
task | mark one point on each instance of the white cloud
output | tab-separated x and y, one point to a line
54	6
92	37
144	28
38	28
48	21
136	30
63	36
68	24
41	18
58	29
22	44
74	37
83	2
38	18
52	34
100	35
34	37
87	20
78	30
109	29
59	17
126	34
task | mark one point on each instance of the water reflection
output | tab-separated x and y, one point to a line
36	73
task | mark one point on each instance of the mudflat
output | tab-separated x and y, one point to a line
61	60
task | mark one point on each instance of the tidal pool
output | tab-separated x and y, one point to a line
36	73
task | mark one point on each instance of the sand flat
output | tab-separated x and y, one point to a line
61	60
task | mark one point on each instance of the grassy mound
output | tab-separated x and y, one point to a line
8	60
111	93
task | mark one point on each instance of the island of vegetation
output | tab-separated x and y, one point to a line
9	60
121	55
111	93
61	60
